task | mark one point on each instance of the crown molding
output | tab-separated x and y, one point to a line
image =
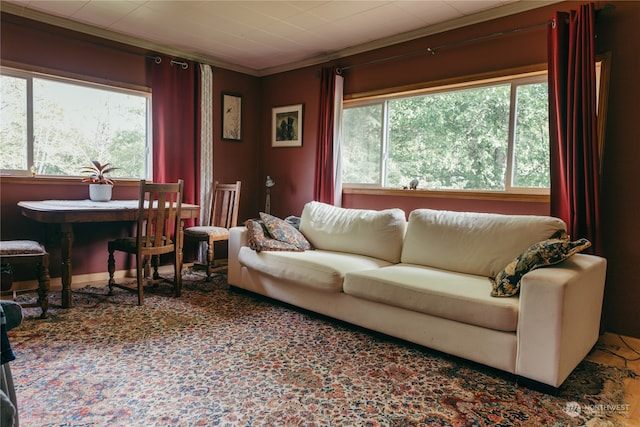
498	12
476	18
152	47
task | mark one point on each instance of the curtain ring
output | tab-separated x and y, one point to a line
184	65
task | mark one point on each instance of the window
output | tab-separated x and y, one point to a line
51	126
483	136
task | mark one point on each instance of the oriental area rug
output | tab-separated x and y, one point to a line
219	357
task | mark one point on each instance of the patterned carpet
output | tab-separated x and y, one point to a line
216	357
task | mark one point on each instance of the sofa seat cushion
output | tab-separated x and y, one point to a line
456	296
316	269
471	242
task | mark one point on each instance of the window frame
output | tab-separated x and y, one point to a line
28	75
515	78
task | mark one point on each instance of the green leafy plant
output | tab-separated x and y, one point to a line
97	173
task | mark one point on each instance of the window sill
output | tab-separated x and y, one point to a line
57	180
449	194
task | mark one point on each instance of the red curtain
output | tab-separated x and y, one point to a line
324	184
175	113
574	163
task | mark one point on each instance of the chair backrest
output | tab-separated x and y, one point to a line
224	206
159	214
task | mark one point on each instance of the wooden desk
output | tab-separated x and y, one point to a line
68	212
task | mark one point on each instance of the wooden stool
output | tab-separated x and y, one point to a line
14	252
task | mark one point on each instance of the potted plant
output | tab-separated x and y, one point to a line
100	186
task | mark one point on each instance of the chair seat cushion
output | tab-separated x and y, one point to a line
206	231
20	247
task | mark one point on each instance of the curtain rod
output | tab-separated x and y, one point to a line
158	60
434	49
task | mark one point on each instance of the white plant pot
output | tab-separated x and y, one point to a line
100	192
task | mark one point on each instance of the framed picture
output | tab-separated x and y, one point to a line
286	127
231	116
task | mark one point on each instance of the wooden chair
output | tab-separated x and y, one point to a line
27	252
223	216
158	232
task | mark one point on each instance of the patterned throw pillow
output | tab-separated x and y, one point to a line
259	240
545	253
281	230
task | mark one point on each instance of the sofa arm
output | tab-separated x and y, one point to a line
559	318
237	239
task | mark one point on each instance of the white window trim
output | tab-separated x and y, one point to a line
30	75
382	99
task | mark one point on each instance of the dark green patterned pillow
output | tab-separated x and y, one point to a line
545	253
258	238
281	230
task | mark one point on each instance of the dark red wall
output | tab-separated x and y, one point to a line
253	159
90	243
234	161
40	47
409	203
291	167
618	32
34	45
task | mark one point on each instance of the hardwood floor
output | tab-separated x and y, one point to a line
614	350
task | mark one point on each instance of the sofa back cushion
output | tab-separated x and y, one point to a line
377	234
472	243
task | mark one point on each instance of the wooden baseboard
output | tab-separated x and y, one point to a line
81	280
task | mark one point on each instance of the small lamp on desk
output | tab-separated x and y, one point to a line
267	203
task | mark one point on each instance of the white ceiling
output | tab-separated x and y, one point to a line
264	37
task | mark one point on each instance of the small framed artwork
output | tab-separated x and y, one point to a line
231	116
286	128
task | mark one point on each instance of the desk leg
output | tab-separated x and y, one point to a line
66	241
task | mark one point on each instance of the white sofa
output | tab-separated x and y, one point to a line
426	280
